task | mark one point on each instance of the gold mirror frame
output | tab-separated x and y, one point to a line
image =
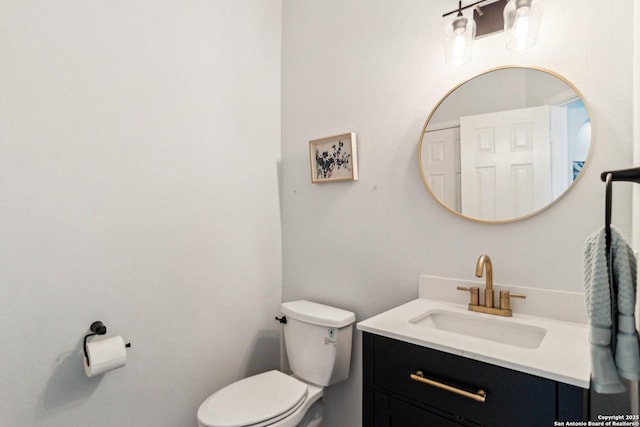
535	211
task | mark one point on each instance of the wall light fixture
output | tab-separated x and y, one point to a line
521	23
458	36
519	19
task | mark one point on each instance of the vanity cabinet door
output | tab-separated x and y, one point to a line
512	398
396	413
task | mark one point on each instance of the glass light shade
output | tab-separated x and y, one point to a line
521	23
458	40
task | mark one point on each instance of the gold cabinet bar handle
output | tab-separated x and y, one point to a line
479	396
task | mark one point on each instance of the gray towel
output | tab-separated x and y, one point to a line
605	369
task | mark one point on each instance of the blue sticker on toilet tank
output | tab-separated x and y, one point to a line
332	333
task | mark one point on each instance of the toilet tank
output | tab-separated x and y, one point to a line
318	341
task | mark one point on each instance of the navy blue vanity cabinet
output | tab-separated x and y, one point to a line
392	399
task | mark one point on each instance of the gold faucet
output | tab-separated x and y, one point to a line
484	263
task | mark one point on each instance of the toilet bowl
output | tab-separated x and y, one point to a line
272	399
318	342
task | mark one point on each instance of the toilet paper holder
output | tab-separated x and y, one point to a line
96	328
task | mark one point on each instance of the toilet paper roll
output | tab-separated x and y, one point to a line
105	355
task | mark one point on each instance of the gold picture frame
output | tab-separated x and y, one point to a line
334	158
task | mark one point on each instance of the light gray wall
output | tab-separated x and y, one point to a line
377	68
139	151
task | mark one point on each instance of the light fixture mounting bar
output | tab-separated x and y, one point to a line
489	19
461	8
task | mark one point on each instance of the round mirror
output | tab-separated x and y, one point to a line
506	144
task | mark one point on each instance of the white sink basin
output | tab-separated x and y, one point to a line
545	347
499	330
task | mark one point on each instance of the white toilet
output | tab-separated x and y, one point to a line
318	342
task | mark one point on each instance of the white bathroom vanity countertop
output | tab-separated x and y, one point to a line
562	355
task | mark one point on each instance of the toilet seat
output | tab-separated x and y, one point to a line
255	401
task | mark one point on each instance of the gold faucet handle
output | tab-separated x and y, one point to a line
474	292
505	297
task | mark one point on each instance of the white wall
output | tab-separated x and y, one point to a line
139	151
376	68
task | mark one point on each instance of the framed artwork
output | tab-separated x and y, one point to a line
334	158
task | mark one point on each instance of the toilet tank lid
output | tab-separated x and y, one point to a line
318	314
